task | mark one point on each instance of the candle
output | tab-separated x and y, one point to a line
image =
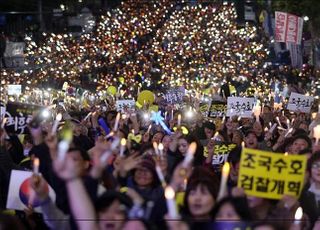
115	143
161	147
116	124
36	164
160	175
179	120
155	146
257	111
56	123
298	216
105	156
272	128
63	147
316	133
189	155
171	203
224	178
243	144
122	146
89	114
278	120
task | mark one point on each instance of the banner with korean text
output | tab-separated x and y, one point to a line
240	106
18	116
125	105
271	175
288	28
299	102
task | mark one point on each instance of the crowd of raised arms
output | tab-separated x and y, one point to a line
169	161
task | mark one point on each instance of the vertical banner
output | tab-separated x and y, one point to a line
280	26
288	28
271	175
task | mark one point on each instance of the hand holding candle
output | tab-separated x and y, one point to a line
116	123
160	147
56	123
179	120
224	179
36	164
122	146
155	147
189	155
298	216
160	175
171	203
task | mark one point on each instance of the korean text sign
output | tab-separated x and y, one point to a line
240	106
125	105
18	116
271	175
288	27
300	102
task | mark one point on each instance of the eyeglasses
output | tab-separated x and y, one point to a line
315	166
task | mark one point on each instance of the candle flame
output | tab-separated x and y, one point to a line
299	213
226	169
123	142
169	192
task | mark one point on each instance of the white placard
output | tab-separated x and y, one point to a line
16	193
240	106
123	105
14	89
299	102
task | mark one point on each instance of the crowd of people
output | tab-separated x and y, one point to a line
154	165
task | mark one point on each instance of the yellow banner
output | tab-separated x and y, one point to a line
271	175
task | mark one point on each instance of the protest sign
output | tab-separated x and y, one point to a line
204	108
221	153
271	175
240	106
175	96
125	105
20	192
288	27
14	89
300	102
18	116
217	109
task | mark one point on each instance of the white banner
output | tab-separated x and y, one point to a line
299	102
14	90
125	105
20	192
240	106
288	28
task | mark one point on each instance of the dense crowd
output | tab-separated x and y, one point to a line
152	166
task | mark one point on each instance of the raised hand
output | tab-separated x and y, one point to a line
68	169
129	163
40	186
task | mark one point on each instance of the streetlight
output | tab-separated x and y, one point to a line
306	18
